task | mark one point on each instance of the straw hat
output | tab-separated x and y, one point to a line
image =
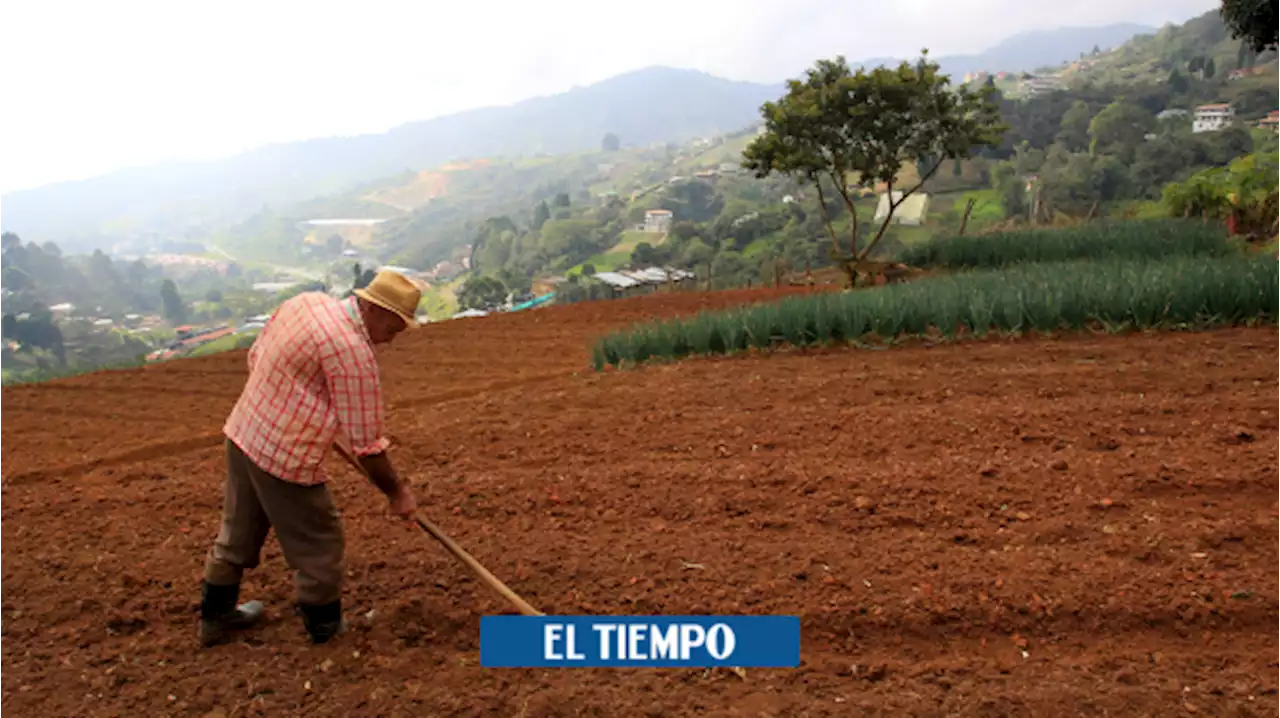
394	293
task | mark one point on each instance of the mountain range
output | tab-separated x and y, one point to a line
1032	50
656	104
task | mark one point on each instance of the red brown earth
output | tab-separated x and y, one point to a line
1073	526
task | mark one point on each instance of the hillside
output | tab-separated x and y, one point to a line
132	209
642	107
433	211
1029	51
1153	58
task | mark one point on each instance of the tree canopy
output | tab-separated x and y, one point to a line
1253	21
836	125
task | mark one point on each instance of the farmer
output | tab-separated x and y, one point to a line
313	379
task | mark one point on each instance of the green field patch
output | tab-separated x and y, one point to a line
1112	295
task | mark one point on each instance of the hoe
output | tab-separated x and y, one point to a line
458	552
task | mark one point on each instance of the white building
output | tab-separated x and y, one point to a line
657	220
1041	85
1211	118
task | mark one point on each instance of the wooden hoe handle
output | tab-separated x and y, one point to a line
458	552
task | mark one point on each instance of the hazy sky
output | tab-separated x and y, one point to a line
90	87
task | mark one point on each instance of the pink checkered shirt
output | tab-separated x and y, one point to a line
312	374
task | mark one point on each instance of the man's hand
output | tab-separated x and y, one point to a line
378	466
403	503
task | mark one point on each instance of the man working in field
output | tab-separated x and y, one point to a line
313	379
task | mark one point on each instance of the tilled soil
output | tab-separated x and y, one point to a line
1074	526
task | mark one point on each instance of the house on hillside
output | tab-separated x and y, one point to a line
1034	85
1213	117
445	271
1271	121
657	220
641	281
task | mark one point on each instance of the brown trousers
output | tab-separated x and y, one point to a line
307	526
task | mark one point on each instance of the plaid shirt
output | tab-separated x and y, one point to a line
312	374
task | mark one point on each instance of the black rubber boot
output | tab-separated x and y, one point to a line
219	614
322	621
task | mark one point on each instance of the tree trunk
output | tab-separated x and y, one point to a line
964	221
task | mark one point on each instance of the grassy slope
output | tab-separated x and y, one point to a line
441	300
1150	58
221	344
619	254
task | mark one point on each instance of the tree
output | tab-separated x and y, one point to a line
1158	162
1074	129
560	206
9	239
644	255
1243	194
692	201
494	244
1178	82
1119	129
611	143
39	331
174	310
1208	68
515	281
1012	190
541	214
1219	148
1253	21
16	280
836	123
361	278
484	293
213	295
